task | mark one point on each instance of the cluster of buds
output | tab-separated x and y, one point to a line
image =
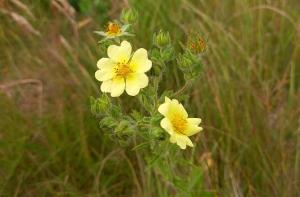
163	51
189	61
190	64
113	119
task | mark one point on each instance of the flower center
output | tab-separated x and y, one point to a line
122	69
179	124
113	29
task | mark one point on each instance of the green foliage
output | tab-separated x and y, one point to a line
100	106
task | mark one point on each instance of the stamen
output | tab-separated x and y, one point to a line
179	124
122	69
113	29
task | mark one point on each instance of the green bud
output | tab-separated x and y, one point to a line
162	39
185	60
100	105
158	133
129	16
103	103
124	128
167	53
155	55
190	64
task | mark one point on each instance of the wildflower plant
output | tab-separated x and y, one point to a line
152	119
125	71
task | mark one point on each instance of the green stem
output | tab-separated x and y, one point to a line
184	88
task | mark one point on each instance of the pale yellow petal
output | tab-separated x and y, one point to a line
105	64
167	100
173	139
164	108
182	141
134	82
181	110
132	86
166	125
139	62
103	75
176	109
117	86
195	121
192	126
106	86
120	53
143	80
189	142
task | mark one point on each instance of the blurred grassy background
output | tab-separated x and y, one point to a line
248	98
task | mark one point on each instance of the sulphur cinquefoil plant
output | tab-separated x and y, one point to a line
135	107
139	73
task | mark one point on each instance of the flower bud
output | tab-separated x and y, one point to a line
99	105
162	39
190	64
124	129
129	16
185	60
158	133
196	44
122	126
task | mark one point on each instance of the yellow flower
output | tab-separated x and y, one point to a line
114	30
177	123
121	71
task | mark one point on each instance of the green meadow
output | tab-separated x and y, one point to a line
247	96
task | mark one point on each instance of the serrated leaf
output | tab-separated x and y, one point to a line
108	122
136	115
